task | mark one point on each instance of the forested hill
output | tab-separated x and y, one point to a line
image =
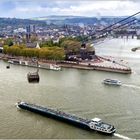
104	20
14	22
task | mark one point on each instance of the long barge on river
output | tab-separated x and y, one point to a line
94	124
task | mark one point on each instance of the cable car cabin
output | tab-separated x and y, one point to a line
33	77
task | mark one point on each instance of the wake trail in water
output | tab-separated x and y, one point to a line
133	86
121	136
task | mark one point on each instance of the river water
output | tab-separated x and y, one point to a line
79	92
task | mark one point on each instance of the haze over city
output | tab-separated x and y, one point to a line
89	8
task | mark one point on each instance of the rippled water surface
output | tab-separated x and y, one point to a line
79	92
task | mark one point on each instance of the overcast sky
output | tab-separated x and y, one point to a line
37	8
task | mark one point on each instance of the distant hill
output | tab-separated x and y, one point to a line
14	22
55	17
79	19
59	20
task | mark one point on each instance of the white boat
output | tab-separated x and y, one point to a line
112	82
55	67
18	62
49	66
32	64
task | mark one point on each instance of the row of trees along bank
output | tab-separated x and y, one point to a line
50	53
48	50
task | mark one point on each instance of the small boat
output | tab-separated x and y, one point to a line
133	49
8	67
55	67
112	82
48	66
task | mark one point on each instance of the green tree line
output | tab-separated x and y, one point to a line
69	44
50	53
48	50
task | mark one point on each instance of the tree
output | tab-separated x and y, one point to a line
5	49
71	46
34	38
50	53
8	42
48	43
82	38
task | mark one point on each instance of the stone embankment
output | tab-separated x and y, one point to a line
101	63
108	64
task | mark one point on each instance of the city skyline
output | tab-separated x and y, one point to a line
88	8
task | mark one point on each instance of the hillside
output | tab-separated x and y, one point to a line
78	19
14	22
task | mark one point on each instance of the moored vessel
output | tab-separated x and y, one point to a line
54	67
47	66
94	124
18	62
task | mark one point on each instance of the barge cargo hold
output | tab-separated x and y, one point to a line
94	124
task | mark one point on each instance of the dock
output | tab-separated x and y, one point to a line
101	64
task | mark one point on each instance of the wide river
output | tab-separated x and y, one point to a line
79	92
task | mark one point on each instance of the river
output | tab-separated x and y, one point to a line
79	92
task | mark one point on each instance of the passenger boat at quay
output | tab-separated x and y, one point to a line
112	82
32	64
94	124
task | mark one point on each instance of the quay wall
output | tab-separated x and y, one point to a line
78	66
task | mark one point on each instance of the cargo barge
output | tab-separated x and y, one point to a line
94	124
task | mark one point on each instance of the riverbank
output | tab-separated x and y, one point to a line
100	66
98	63
124	71
108	64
